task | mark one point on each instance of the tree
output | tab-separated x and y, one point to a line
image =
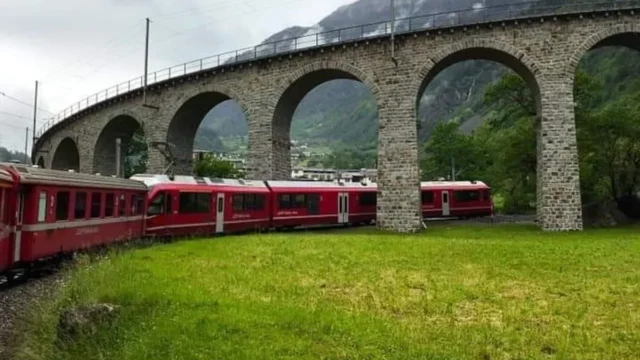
446	146
212	166
609	149
136	155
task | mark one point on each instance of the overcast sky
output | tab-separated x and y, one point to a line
76	48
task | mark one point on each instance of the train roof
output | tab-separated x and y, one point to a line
152	180
5	176
35	175
454	184
278	184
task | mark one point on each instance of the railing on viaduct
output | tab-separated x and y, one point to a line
479	15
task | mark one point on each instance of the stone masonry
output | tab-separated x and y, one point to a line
544	51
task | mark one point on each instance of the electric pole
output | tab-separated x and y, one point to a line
146	64
26	146
118	157
393	29
35	114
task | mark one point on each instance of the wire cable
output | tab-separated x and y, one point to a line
24	102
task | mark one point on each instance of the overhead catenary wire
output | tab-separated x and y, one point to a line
218	21
14	115
126	39
24	102
203	10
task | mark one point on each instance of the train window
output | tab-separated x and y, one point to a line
284	201
238	202
168	208
195	203
2	206
2	220
204	202
248	202
134	205
62	206
122	205
259	204
313	204
301	201
139	204
157	205
368	199
80	211
96	204
42	206
109	205
486	195
466	196
427	197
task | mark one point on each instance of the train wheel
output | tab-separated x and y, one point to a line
18	277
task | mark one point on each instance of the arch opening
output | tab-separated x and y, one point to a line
133	148
607	115
40	162
472	105
208	136
66	156
324	123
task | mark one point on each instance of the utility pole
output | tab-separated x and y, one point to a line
26	146
453	169
35	113
146	64
118	155
393	30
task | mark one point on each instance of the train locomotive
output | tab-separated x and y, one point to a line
46	214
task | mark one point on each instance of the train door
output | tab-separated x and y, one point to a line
159	211
343	208
220	214
446	210
17	244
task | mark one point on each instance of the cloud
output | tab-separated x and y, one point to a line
76	48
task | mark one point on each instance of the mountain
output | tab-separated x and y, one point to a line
343	112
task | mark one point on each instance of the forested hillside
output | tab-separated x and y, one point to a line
8	155
342	112
502	151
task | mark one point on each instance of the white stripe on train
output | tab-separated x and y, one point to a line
79	224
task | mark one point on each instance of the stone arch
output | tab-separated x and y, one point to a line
40	162
123	127
627	35
196	102
289	95
66	155
479	49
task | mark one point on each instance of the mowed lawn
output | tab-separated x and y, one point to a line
510	292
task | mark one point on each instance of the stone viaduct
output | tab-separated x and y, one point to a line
544	50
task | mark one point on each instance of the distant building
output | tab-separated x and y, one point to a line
320	174
238	163
317	174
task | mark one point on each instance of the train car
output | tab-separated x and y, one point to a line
188	205
456	199
60	212
7	191
306	203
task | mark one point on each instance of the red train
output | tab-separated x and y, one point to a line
456	199
48	213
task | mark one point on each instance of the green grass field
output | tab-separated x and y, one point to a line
449	293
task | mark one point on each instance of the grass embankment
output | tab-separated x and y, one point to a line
463	293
